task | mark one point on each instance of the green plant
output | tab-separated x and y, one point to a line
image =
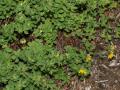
36	64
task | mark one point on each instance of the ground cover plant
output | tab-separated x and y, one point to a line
44	43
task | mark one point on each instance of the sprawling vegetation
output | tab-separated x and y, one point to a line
29	59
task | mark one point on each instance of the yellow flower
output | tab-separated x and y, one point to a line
88	58
110	55
83	71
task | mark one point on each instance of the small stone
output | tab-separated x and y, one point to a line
116	81
88	88
114	63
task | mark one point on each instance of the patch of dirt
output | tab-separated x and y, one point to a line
2	86
6	21
63	41
17	45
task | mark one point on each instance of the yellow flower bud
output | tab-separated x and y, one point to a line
88	58
110	55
